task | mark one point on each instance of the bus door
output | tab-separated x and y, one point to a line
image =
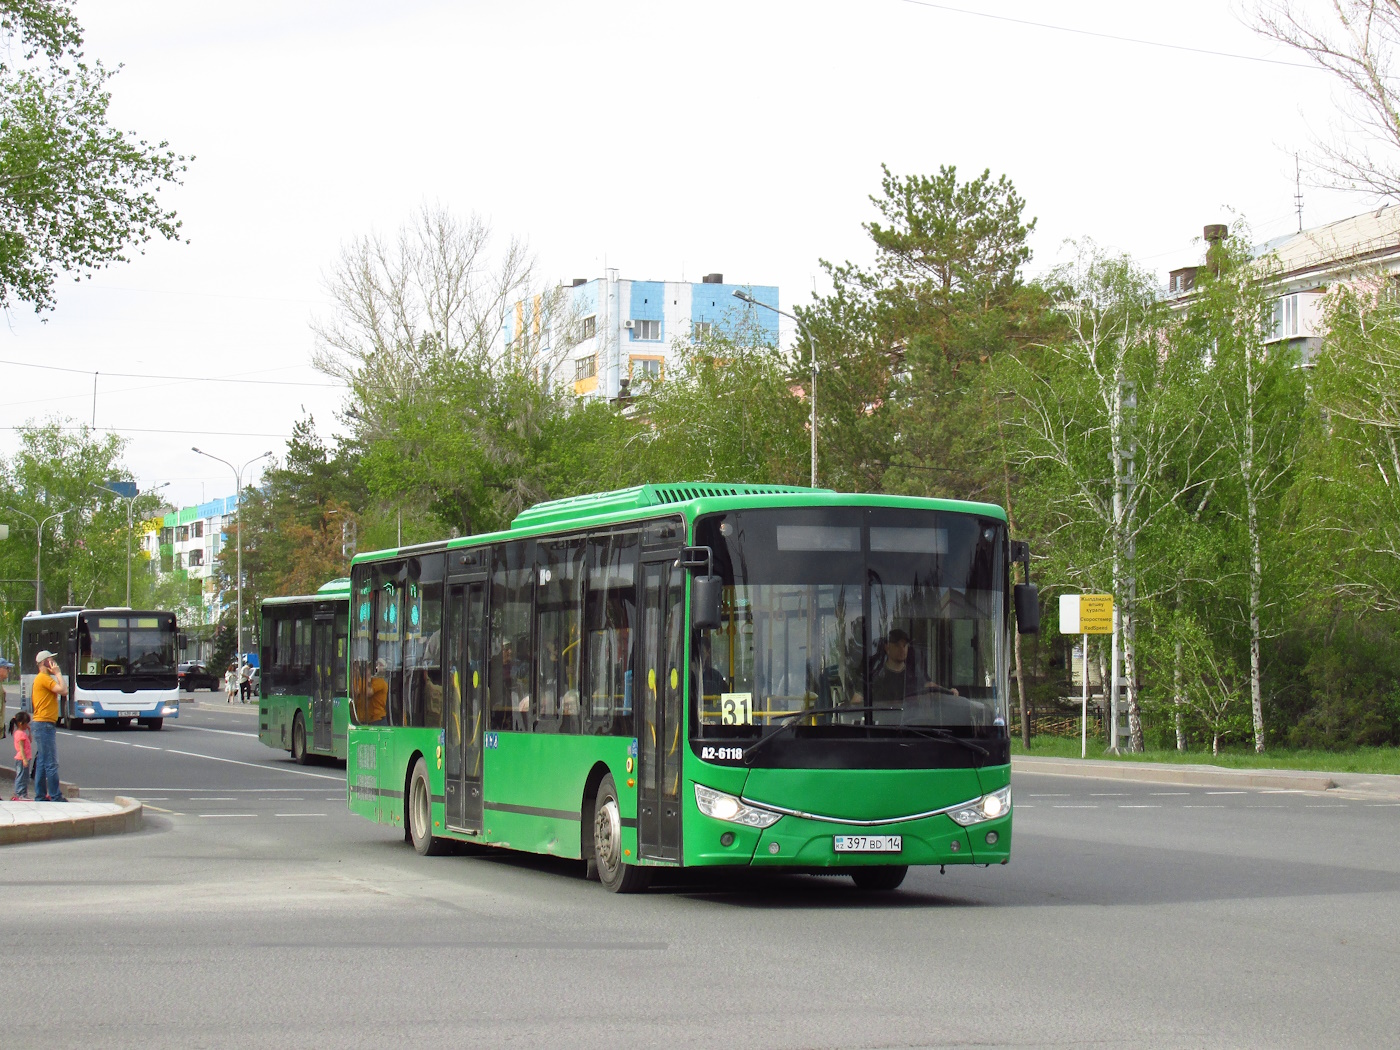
323	695
660	674
464	708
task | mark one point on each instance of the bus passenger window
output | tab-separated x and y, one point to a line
609	617
423	654
559	602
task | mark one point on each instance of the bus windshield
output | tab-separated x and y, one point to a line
864	617
133	644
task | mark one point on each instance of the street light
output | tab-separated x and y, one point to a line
746	298
238	525
39	552
130	501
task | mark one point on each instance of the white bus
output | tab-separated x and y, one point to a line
120	664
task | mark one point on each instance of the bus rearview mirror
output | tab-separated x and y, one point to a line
1027	597
704	602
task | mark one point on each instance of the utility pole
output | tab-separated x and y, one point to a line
238	526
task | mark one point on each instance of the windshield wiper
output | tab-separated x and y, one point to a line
934	733
790	720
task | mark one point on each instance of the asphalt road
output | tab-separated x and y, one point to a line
255	911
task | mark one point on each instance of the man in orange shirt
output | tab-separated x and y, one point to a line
48	687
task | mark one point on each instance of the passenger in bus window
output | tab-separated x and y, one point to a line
712	683
371	694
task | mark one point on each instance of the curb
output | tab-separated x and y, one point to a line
128	818
7	774
1160	773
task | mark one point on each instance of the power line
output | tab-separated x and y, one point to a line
177	379
1110	36
140	430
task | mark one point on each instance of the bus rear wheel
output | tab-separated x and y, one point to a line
299	754
882	879
613	872
420	814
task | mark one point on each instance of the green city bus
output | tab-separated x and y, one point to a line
302	704
696	674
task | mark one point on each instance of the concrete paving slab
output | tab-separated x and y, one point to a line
36	821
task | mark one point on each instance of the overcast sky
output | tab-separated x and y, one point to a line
667	140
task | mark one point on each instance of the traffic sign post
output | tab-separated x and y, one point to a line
1086	614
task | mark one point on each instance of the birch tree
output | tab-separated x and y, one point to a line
1255	409
1103	430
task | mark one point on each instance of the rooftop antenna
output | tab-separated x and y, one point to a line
1298	191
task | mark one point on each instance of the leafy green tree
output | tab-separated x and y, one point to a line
724	412
55	478
75	194
1254	414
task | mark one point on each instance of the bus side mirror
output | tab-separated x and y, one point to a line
1027	597
705	594
72	639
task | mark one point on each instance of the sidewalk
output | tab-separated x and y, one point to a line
35	821
1350	785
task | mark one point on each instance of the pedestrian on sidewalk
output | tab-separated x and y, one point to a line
24	754
231	682
5	666
48	687
245	682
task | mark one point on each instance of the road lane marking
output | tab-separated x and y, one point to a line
1227	792
254	765
212	798
1079	806
1139	805
1198	806
226	732
1108	794
1168	793
208	816
148	747
298	814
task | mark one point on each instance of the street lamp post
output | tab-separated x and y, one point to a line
130	501
238	526
39	552
745	297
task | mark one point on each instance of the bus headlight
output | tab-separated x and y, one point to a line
988	807
89	711
721	806
170	710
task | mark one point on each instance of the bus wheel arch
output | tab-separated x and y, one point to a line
614	872
418	812
298	748
586	813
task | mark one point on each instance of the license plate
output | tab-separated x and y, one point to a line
869	843
127	714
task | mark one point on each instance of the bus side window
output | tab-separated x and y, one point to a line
386	674
423	654
508	674
610	615
559	602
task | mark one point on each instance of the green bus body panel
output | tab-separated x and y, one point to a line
277	713
862	794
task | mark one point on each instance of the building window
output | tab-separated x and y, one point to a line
179	561
648	368
701	331
182	534
590	327
196	558
585	368
646	329
1286	317
197	530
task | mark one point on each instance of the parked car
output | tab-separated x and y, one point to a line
196	676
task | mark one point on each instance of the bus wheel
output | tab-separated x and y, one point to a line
420	814
880	880
151	723
613	872
299	754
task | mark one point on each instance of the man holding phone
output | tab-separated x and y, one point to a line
48	687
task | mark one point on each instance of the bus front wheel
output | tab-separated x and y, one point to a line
151	723
613	872
420	814
881	879
299	754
